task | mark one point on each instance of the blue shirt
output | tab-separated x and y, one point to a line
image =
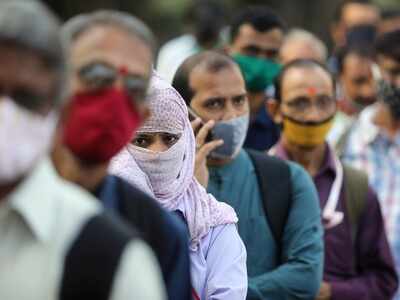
262	133
164	232
300	274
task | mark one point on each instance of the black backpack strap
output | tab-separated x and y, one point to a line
273	175
93	259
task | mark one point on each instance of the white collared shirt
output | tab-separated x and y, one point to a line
38	223
370	149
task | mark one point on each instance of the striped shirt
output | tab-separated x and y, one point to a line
369	148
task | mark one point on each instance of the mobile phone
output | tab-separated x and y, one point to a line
193	116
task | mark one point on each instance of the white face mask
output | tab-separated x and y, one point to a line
24	138
162	168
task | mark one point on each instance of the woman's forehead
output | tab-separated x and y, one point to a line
166	113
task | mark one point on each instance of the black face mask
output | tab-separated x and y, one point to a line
390	94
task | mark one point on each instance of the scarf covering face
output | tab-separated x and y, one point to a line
169	175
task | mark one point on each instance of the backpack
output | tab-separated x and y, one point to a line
356	190
93	259
273	175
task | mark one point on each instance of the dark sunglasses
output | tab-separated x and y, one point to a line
100	75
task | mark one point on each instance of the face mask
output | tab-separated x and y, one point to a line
25	138
391	96
258	73
162	168
100	124
233	133
306	134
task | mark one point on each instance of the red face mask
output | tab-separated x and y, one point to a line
100	124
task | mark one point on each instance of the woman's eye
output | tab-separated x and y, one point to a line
170	139
141	142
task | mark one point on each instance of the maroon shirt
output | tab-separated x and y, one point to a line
363	270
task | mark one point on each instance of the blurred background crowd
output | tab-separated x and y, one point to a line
205	149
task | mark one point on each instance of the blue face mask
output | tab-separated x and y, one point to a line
233	133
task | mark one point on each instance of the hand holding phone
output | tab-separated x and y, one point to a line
204	145
193	116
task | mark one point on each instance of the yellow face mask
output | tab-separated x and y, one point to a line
306	134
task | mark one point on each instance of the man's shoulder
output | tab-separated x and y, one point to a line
72	205
263	159
143	204
295	174
146	214
271	171
75	203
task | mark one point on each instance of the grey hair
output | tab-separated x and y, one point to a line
31	25
302	35
76	26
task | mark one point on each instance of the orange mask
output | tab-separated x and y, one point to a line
306	133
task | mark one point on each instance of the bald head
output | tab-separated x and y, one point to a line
301	44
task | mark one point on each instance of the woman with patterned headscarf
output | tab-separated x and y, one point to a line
160	161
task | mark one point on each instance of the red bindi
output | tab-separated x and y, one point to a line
312	91
123	70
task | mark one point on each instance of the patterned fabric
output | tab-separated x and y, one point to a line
370	149
169	175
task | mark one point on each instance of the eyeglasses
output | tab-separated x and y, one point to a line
302	105
100	75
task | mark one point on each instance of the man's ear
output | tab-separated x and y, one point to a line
274	109
337	34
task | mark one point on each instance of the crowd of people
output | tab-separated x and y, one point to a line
242	160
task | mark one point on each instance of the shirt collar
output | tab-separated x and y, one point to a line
328	164
37	208
230	167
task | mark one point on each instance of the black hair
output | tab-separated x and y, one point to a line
298	64
207	17
361	51
213	62
261	18
338	13
388	44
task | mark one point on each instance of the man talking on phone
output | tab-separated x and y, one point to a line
276	202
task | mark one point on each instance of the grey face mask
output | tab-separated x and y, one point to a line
233	133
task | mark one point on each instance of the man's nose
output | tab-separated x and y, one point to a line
230	111
314	114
